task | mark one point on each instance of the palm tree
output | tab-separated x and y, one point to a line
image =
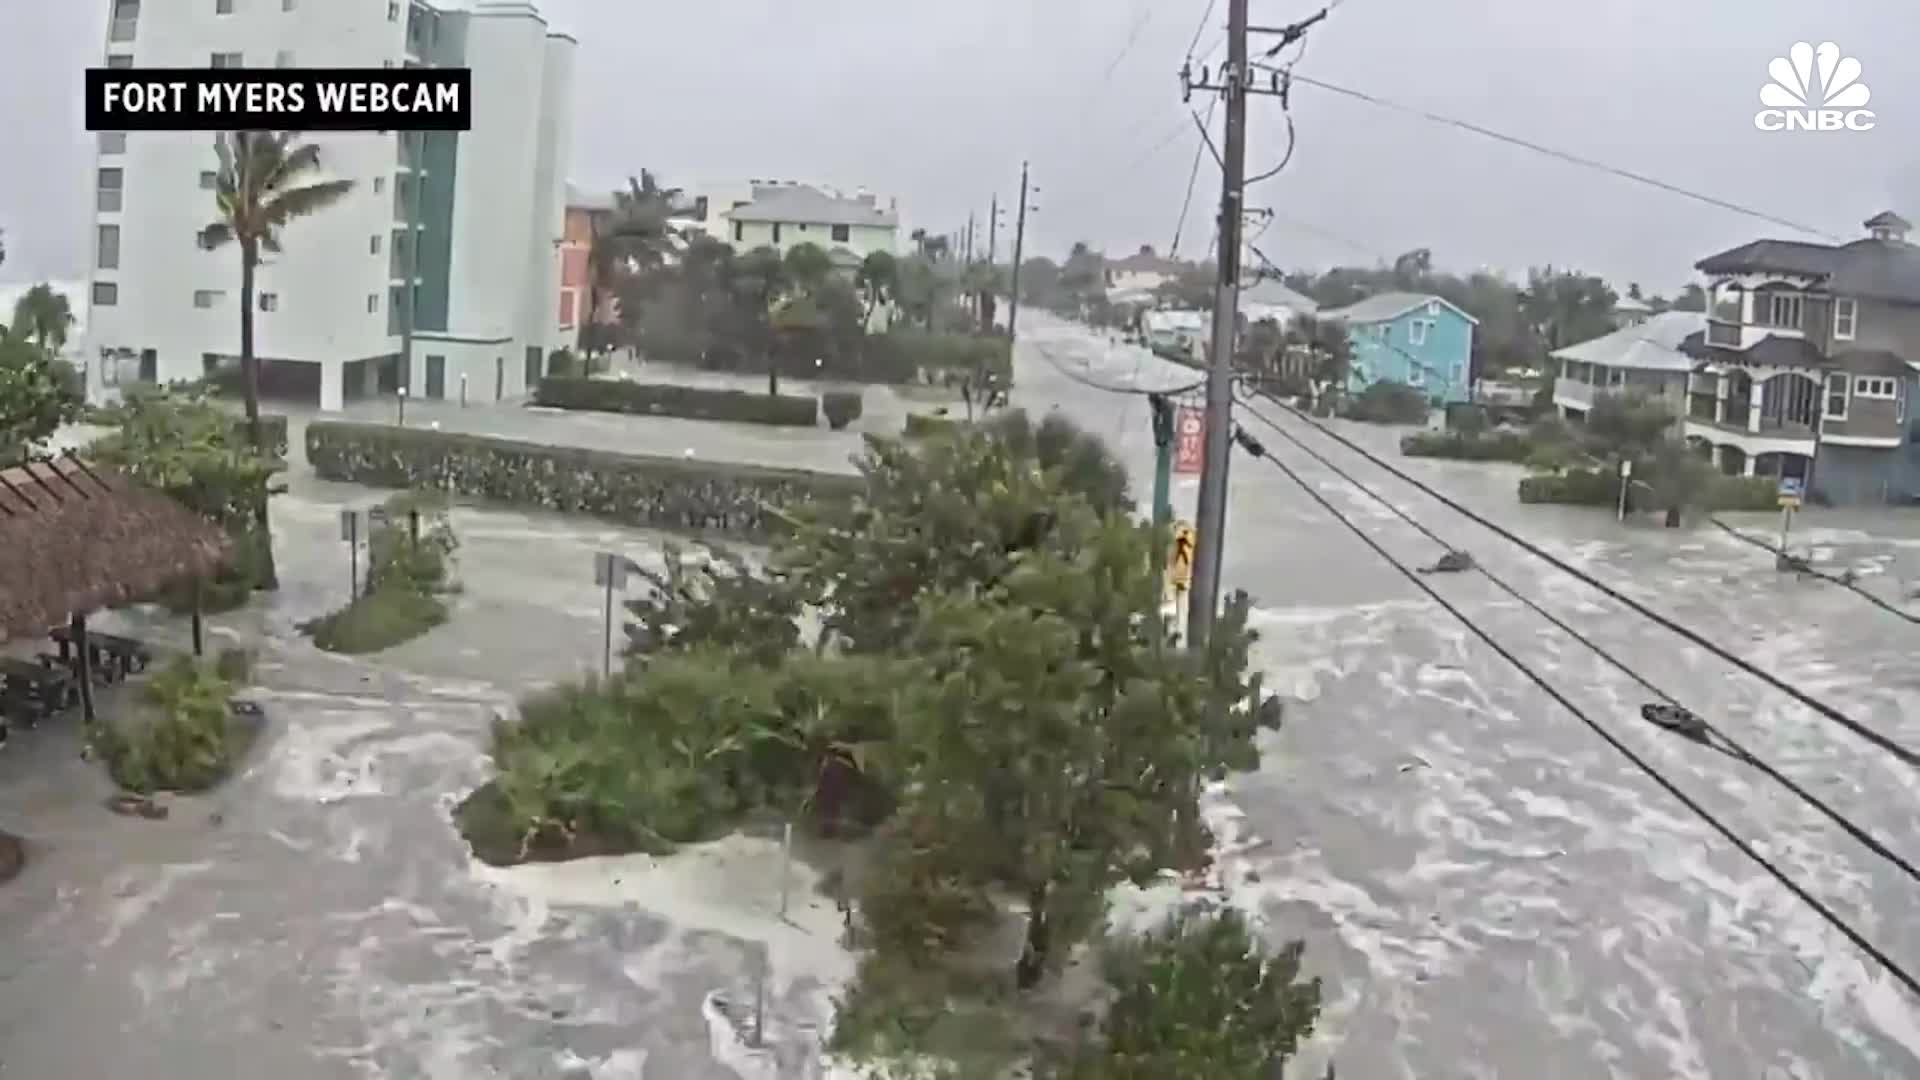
258	190
760	282
43	316
877	278
637	233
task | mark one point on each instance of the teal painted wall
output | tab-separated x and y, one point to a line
1386	351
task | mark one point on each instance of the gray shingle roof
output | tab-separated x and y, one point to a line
1654	345
1276	294
796	204
1868	269
1385	306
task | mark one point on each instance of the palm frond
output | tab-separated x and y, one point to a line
301	201
290	166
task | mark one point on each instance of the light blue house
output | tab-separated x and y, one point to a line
1410	338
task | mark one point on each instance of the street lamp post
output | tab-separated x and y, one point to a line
400	398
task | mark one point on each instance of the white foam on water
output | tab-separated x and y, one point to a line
137	892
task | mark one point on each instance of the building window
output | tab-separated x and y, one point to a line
106	293
1836	396
1874	388
373	303
113	142
379	184
283	58
776	232
1616	377
226	59
739	232
269	301
373	244
202	241
126	14
223	7
803	226
1846	314
1433	307
1417	332
393	12
841	232
1416	375
119	61
209	180
109	182
289	5
108	245
1783	310
204	298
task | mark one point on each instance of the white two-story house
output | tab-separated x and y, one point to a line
782	216
1807	366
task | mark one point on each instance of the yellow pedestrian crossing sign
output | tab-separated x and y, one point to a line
1180	558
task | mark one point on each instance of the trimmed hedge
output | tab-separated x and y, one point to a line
1601	487
1491	446
666	399
633	489
842	407
920	426
917	351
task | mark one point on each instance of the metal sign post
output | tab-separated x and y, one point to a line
1792	488
350	533
1626	481
609	570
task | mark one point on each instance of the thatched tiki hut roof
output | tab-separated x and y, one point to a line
75	538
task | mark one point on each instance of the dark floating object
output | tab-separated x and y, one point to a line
1680	721
1453	562
129	804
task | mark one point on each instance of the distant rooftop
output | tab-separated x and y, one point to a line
1385	306
796	203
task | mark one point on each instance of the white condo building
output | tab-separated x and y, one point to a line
474	217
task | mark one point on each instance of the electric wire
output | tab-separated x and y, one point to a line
1193	176
1201	29
1832	918
1563	155
1904	754
1726	743
1089	381
1841	580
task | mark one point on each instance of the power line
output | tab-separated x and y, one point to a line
1089	381
1193	175
1253	447
1902	753
1726	743
1201	29
1563	155
1842	580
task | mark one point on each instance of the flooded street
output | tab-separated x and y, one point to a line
1488	888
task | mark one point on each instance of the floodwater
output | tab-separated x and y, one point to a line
1489	890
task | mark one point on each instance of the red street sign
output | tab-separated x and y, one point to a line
1189	439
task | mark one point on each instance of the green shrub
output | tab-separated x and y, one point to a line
632	489
665	399
560	364
1388	402
916	354
842	407
181	737
414	547
920	426
377	620
1578	487
1488	446
1736	493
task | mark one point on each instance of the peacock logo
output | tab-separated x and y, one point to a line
1814	88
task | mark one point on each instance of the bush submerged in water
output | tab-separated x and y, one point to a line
182	735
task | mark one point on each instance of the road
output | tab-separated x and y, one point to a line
1488	888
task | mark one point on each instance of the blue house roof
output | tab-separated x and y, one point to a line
1386	307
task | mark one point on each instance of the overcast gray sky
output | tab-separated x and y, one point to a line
938	103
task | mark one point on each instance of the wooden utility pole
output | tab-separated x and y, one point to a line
1019	244
993	227
1211	514
1234	83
